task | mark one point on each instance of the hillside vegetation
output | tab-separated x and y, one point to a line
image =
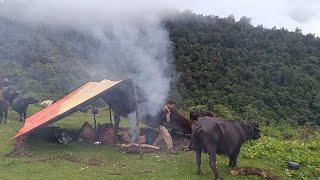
231	67
246	72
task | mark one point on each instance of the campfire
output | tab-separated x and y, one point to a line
148	137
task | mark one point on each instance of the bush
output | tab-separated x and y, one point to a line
223	111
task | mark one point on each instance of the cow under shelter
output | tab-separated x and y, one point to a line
119	93
122	97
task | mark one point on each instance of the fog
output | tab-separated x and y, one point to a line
131	38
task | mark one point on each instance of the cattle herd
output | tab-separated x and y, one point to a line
10	97
209	134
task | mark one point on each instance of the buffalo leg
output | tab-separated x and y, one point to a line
24	116
198	160
213	164
5	116
20	117
212	151
1	116
116	128
167	138
233	159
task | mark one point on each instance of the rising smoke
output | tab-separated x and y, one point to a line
131	39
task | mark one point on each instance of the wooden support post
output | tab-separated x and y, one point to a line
94	118
137	118
110	114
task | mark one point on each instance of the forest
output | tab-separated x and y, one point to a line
230	67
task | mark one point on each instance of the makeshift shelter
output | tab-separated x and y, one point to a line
117	92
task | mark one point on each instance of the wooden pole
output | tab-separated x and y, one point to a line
110	114
94	118
137	118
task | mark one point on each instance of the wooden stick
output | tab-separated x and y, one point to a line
138	172
94	118
110	114
137	118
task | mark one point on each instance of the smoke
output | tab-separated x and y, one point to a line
138	48
130	37
133	127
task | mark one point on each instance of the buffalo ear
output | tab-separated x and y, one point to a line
256	124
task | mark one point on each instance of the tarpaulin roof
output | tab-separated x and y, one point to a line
71	103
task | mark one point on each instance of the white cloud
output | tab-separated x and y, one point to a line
280	13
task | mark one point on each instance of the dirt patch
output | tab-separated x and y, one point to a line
75	159
18	150
43	159
95	162
65	157
27	161
15	154
70	158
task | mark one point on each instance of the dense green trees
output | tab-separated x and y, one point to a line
233	68
252	72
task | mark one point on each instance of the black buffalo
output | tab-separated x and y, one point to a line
219	136
3	110
195	114
9	94
20	105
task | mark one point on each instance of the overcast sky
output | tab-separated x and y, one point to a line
304	14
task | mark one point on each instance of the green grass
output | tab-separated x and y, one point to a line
46	163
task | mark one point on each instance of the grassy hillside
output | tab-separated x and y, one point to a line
79	160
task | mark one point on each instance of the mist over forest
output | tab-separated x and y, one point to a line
230	67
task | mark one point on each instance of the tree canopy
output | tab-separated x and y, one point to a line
253	72
232	67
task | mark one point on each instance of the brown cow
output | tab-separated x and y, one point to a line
221	136
121	99
169	118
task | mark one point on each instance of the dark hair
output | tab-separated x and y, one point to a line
170	102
